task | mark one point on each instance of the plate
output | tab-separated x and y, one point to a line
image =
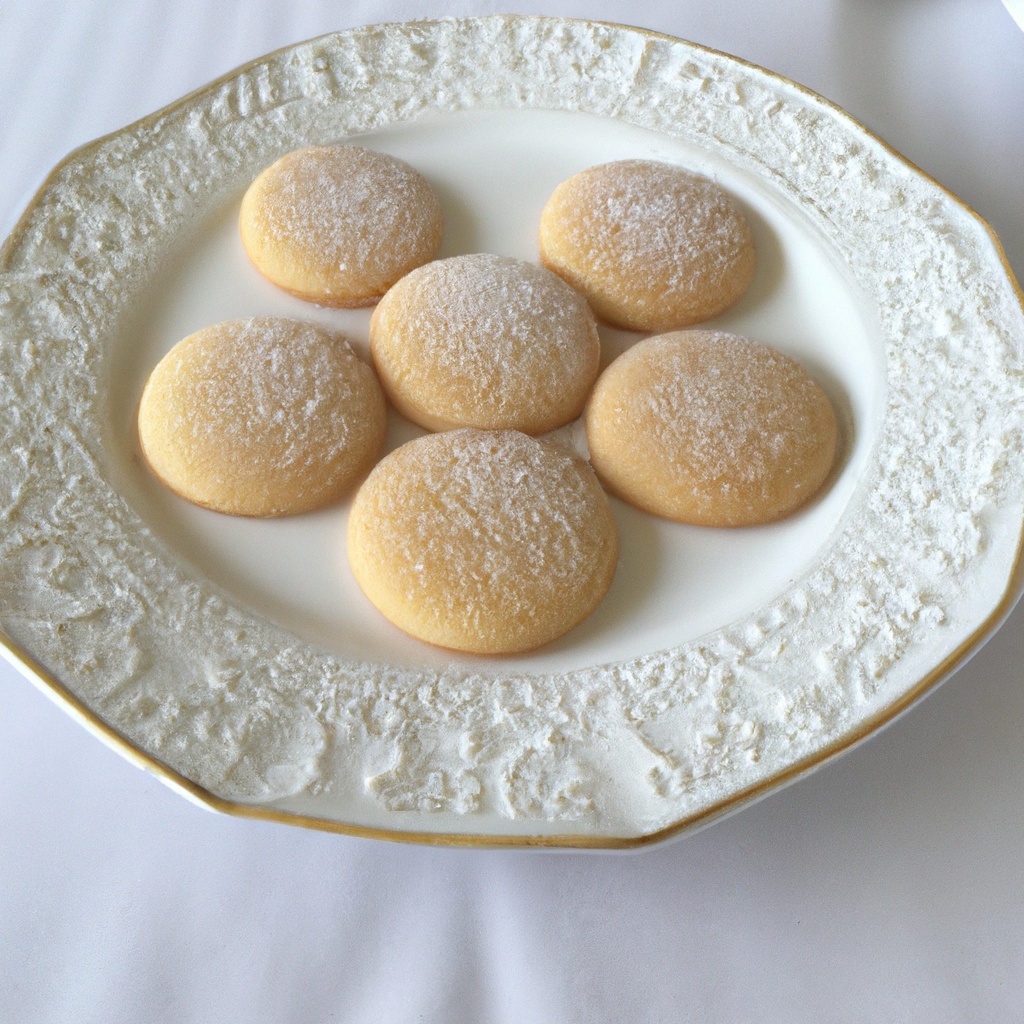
237	659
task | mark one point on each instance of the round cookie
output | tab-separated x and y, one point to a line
710	429
490	542
261	417
338	225
652	246
485	341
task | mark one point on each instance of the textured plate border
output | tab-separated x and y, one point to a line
925	565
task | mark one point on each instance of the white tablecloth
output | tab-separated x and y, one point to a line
887	886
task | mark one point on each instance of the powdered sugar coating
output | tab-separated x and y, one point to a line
654	247
485	341
484	541
338	225
711	429
264	416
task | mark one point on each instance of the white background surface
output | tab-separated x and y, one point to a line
887	886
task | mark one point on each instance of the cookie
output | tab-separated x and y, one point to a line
490	542
653	246
485	341
338	225
261	417
710	429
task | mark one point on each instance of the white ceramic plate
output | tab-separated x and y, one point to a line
238	659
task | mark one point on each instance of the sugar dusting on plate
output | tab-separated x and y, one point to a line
247	711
